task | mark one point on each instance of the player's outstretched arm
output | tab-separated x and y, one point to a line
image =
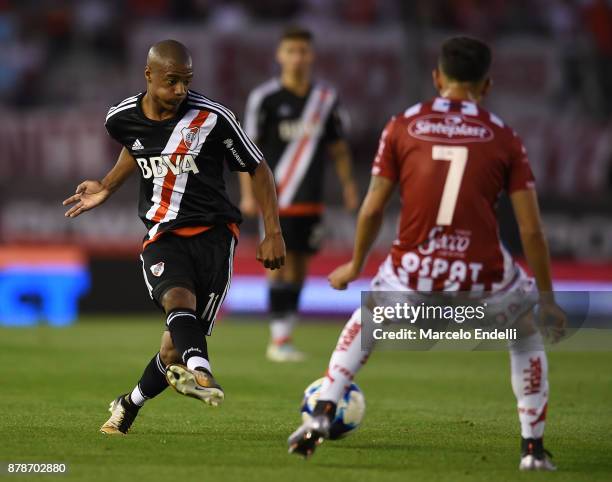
535	247
369	221
90	194
340	152
271	251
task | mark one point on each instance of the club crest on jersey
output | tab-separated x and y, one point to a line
159	166
190	136
452	128
157	269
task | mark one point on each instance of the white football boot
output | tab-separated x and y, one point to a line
122	416
535	456
284	353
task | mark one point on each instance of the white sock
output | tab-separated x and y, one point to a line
529	367
346	360
137	397
281	328
194	362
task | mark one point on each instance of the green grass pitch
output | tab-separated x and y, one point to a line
443	416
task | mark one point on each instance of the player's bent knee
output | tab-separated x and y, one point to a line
178	297
296	267
169	356
167	352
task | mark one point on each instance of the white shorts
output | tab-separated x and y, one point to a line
504	305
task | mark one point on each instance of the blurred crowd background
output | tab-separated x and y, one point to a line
63	63
58	52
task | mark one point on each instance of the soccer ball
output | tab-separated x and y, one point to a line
349	414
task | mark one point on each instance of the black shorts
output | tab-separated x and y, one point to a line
302	234
202	263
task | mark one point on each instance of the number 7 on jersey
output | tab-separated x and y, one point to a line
457	155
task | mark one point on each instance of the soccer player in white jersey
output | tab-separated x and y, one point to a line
451	159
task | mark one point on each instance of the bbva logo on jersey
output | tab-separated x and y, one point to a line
291	129
158	166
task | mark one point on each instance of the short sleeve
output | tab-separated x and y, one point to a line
241	153
117	121
112	128
385	163
520	177
334	127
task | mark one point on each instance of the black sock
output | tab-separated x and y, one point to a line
187	334
153	380
283	298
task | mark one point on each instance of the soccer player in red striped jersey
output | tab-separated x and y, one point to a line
297	123
451	160
179	142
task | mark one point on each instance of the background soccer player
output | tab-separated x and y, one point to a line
296	122
179	141
452	159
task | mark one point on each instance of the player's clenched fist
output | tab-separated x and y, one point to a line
342	276
89	194
271	251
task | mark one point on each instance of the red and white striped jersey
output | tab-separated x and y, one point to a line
181	161
293	132
452	160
